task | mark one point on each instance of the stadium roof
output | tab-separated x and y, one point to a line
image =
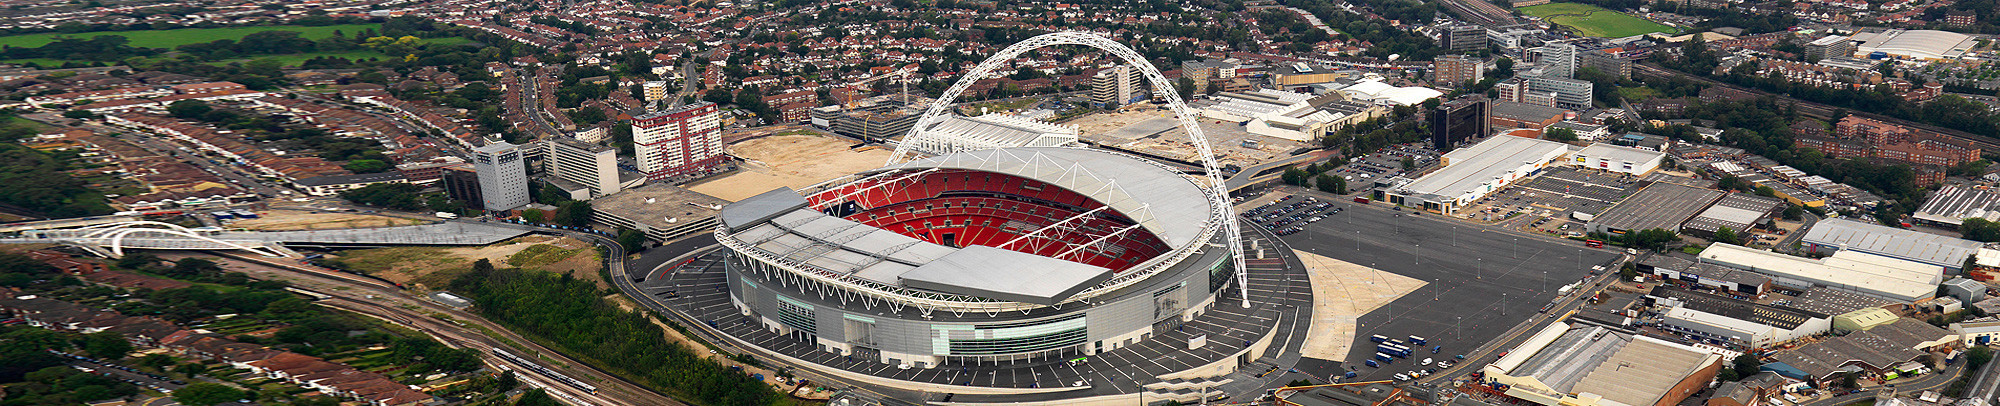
1923	44
1165	203
1033	279
1891	242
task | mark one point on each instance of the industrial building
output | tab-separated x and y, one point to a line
1883	349
1717	277
1737	212
503	180
1288	115
954	133
1739	322
1473	172
1580	364
1889	278
1840	234
1951	204
679	144
1660	205
1618	159
1926	45
1507	114
663	212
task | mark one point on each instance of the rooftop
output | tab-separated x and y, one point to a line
1473	169
1660	205
1579	358
1524	111
1873	274
658	204
1891	242
1879	347
1738	211
1952	204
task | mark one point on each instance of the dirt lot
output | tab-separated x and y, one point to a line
425	267
789	160
287	220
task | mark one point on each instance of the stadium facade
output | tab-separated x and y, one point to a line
981	256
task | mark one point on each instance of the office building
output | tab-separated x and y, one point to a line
1531	88
1606	62
1116	86
1557	60
1457	70
680	143
1460	120
656	91
1830	46
1204	71
591	166
503	178
1462	38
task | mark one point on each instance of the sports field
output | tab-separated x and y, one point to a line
177	37
1595	21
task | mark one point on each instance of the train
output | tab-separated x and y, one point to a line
530	365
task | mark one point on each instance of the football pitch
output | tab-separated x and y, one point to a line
1595	21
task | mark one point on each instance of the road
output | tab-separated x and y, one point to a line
387	302
1936	381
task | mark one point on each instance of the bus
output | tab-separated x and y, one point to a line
1392	349
1593	243
1418	340
1378	338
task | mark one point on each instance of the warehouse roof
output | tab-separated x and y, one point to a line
1610	152
1892	278
1738	211
1472	169
1615	364
1776	316
1880	348
1524	111
1660	205
1926	44
1891	242
1952	204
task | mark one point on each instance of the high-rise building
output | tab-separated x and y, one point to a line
1830	46
1529	88
503	180
1204	71
1116	86
461	183
1557	60
1606	62
590	165
1456	70
656	91
680	143
1510	89
1463	38
1459	120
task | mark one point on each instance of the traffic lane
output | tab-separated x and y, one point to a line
1479	283
654	257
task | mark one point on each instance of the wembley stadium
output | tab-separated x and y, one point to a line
980	257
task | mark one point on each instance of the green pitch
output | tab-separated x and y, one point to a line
183	36
1595	21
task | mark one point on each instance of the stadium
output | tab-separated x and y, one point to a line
980	257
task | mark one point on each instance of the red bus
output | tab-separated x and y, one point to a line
1593	243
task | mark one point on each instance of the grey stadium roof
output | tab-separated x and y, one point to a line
1892	242
781	223
1165	203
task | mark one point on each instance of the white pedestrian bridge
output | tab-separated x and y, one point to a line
113	239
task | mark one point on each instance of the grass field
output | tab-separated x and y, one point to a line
177	37
1595	21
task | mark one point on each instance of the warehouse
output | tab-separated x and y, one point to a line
1830	235
1723	319
1884	349
1736	211
1890	278
1928	45
1717	277
1617	159
1660	205
1952	204
1473	172
1580	364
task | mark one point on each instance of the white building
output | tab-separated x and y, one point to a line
1751	333
953	133
1982	331
1473	172
503	181
1558	59
1854	271
592	166
1372	89
1618	159
1116	86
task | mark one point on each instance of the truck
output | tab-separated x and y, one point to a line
444	215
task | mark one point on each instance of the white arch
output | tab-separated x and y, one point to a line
1219	194
113	235
117	240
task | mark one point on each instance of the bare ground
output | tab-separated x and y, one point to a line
288	220
424	267
796	161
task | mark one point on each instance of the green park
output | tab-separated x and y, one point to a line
1595	21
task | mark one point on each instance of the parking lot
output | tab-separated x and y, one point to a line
1387	163
1480	282
1290	214
1554	194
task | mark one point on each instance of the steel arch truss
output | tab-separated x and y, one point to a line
1219	191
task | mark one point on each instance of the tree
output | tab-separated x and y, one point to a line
1979	229
1294	176
366	166
1794	212
574	213
142	260
208	394
1731	182
1766	191
1562	134
1332	184
189	109
1652	239
1745	365
79	114
1185	86
1725	235
1846	379
106	345
1409	163
631	240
